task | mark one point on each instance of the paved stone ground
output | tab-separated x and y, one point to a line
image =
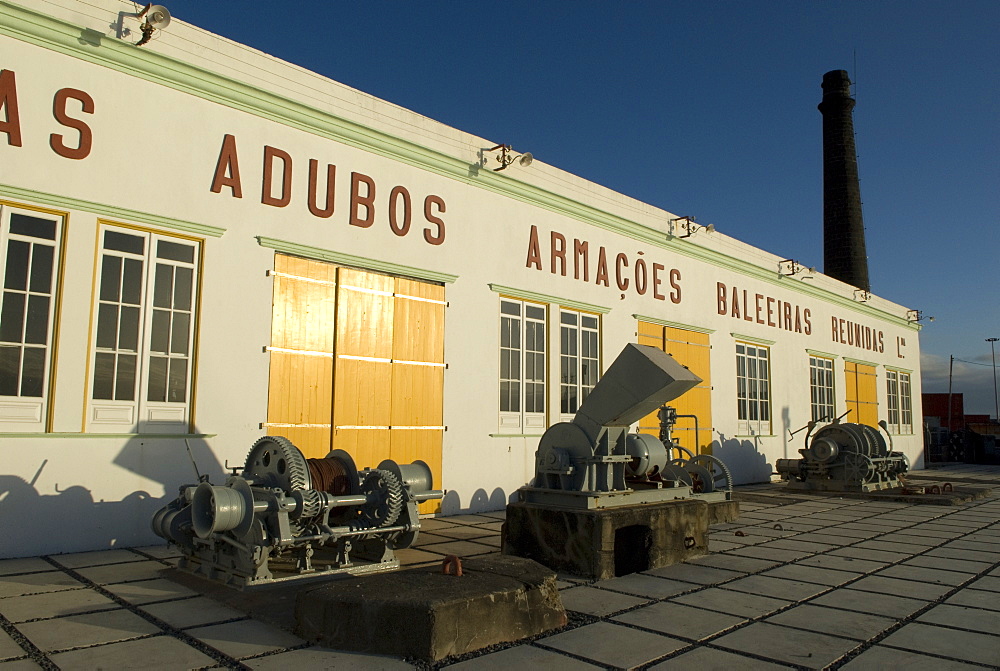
798	582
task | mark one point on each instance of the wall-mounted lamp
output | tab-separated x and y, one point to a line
917	315
506	158
155	17
862	296
791	268
689	227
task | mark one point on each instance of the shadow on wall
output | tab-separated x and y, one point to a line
481	502
70	520
744	460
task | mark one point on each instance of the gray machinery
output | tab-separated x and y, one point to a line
288	516
844	457
593	462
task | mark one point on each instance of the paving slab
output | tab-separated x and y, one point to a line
9	648
990	583
145	654
78	630
789	590
776	555
523	657
735	603
799	546
891	546
459	548
81	559
159	551
467	519
930	575
645	586
675	619
193	612
952	643
859	626
871	555
945	564
956	553
596	601
693	573
25	565
731	562
710	659
863	602
464	532
881	657
19	665
812	574
37	583
836	563
125	572
148	591
613	645
963	617
917	590
246	638
53	604
326	658
783	644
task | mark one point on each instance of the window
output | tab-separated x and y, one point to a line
579	361
30	246
821	389
753	389
898	400
522	365
144	318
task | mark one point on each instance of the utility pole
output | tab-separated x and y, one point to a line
951	364
996	402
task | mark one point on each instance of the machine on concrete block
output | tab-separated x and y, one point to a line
286	516
605	502
845	457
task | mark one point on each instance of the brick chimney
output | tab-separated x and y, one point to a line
844	255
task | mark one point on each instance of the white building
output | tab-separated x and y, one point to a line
202	244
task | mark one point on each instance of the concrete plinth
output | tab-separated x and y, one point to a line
607	542
425	614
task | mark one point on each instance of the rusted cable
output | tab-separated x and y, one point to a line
452	565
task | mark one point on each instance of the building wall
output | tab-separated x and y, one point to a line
169	123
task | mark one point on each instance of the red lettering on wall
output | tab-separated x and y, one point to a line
621	262
358	201
534	251
675	286
602	268
227	169
581	249
720	292
641	280
11	124
398	192
657	267
433	205
557	250
331	178
82	150
266	193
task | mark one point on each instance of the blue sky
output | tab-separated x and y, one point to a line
709	109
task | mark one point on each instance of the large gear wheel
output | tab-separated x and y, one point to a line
275	462
721	479
385	498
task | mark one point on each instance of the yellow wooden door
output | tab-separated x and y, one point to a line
357	363
861	383
693	350
417	407
301	363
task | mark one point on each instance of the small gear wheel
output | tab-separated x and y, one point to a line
858	468
385	498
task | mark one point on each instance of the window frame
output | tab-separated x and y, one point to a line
753	389
21	412
146	411
515	389
822	397
575	340
899	404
